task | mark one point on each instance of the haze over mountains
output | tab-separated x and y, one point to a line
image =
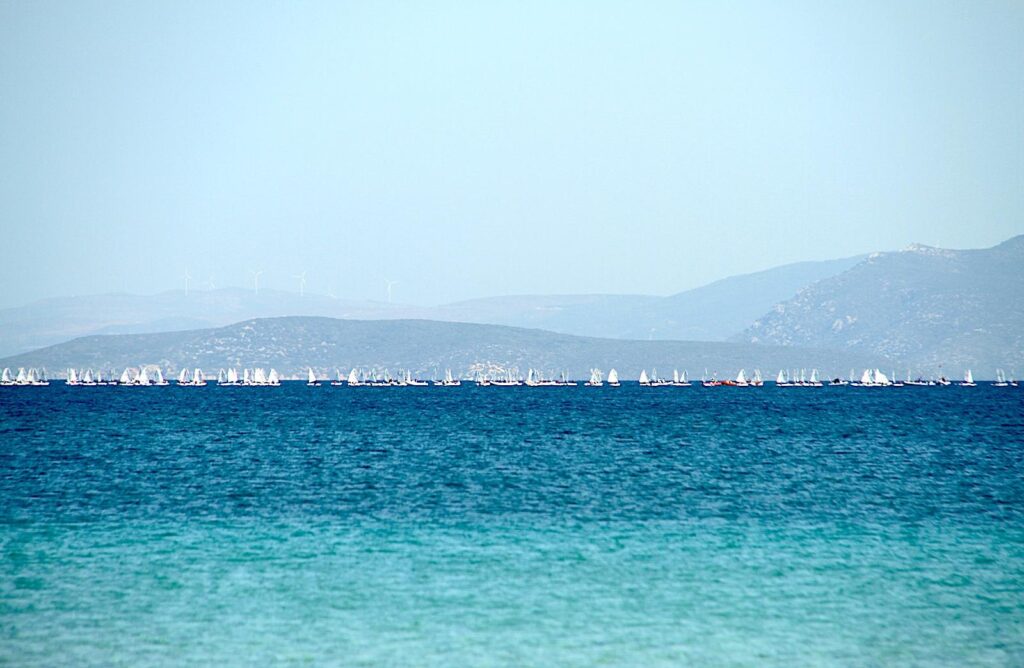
713	312
923	306
925	309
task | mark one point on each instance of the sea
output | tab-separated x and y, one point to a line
493	526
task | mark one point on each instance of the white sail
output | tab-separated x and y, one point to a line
126	377
198	377
595	377
969	377
311	377
183	377
814	376
274	378
233	375
87	378
6	378
22	376
72	377
881	378
781	378
866	378
741	377
259	376
613	377
644	380
353	377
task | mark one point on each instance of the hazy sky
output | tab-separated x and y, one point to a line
475	148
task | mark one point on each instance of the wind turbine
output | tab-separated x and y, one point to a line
302	283
187	277
391	284
256	280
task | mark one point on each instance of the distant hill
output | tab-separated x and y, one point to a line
53	321
923	307
720	310
712	312
425	347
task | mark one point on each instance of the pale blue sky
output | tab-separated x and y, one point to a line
470	149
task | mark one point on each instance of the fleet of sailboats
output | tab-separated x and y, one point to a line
31	376
152	375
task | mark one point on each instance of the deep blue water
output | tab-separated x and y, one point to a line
512	526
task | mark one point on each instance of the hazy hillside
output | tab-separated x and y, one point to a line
290	344
720	310
922	306
53	321
712	312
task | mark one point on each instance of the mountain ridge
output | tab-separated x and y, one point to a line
425	347
921	306
711	312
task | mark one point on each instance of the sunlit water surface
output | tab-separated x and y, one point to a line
511	526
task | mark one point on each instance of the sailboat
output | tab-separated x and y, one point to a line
353	378
613	378
449	380
595	378
414	382
741	380
72	378
781	380
656	381
126	377
273	380
311	380
183	377
867	379
34	377
679	380
1000	379
814	381
644	379
757	380
968	380
5	378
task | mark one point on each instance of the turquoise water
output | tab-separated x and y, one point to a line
509	526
